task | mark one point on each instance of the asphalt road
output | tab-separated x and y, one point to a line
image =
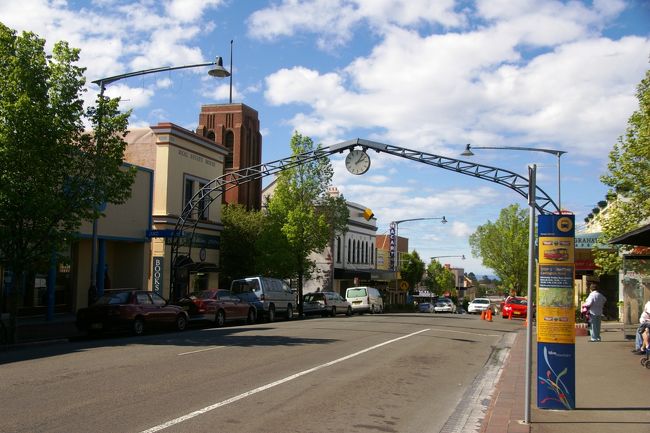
372	373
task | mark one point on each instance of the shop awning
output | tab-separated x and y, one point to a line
640	236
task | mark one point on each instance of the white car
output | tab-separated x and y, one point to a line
444	306
479	305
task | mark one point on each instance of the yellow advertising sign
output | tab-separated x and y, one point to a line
555	310
556	250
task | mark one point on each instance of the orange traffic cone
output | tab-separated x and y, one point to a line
488	315
510	315
483	315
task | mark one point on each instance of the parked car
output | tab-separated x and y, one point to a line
517	306
444	305
325	304
479	305
425	307
218	306
269	296
134	310
364	299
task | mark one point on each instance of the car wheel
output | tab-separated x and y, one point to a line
289	312
251	318
333	313
349	311
181	322
271	314
138	326
220	319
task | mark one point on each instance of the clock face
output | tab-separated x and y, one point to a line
357	161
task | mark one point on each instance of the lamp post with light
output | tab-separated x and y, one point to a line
462	257
394	239
218	72
557	153
532	202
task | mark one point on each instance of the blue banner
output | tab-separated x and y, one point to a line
556	378
556	225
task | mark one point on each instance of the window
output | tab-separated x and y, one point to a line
230	145
189	192
338	249
143	299
203	204
349	250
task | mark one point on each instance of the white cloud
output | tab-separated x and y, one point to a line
189	10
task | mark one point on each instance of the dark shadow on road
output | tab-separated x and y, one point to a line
195	338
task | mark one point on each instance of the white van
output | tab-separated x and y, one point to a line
365	299
270	296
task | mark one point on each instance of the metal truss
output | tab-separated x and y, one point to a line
190	218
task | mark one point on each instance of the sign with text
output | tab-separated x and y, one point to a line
556	312
157	275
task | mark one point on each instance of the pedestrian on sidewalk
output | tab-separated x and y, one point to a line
644	323
595	303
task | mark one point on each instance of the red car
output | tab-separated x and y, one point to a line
516	306
132	310
218	306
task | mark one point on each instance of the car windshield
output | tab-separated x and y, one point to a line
356	293
518	301
312	297
481	301
114	298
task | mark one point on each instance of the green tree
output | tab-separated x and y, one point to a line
303	211
411	269
503	246
628	177
53	176
239	242
440	278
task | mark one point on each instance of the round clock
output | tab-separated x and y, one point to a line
357	161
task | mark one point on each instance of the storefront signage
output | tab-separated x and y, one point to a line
157	274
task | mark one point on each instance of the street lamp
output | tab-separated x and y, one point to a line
218	72
557	153
394	227
462	257
532	203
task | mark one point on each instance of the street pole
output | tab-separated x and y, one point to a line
532	173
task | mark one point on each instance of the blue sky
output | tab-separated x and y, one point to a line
429	75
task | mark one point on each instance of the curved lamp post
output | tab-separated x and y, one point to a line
394	227
218	72
462	257
532	185
557	153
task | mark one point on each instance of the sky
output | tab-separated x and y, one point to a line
426	75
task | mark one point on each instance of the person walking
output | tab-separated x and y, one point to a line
595	303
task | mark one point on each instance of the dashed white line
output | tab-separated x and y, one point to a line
271	385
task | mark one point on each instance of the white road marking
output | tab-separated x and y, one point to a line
201	350
271	385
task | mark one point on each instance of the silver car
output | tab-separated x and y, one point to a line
325	304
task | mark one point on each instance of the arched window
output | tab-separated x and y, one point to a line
230	144
372	254
211	135
338	249
349	250
365	252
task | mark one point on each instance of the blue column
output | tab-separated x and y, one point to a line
51	287
101	266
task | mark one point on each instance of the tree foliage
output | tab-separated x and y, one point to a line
628	177
53	176
302	210
239	242
411	269
440	279
503	246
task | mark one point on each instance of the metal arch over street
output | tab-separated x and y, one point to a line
189	219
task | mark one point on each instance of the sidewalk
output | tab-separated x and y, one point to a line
612	393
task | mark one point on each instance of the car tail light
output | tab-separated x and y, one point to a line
200	307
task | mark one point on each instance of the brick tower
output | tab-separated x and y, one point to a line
236	127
